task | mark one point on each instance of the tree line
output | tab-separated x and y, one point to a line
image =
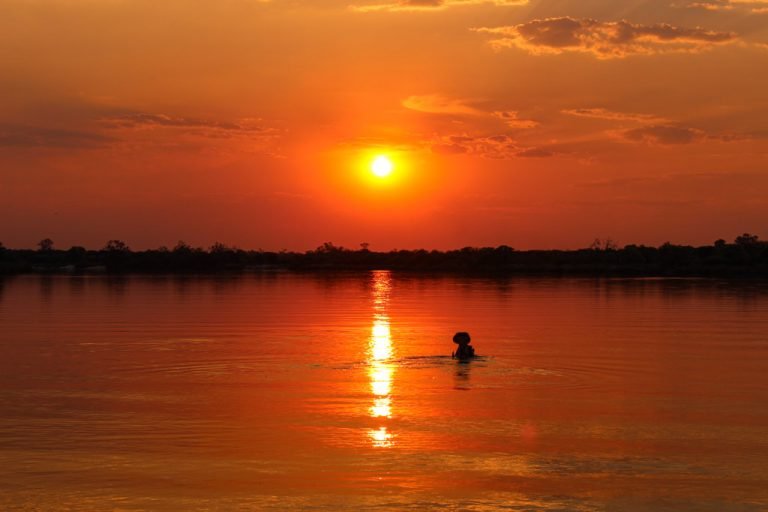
747	255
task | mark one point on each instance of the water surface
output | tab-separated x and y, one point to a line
296	392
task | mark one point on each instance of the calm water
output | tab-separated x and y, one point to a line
289	392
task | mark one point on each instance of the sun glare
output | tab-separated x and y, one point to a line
382	166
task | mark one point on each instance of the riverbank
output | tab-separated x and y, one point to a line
719	259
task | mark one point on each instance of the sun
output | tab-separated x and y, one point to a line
382	166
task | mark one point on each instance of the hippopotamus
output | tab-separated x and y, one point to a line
464	351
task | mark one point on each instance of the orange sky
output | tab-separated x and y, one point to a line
536	124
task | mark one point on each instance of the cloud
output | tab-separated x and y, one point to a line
664	134
604	40
616	182
436	104
754	6
535	153
402	142
493	146
141	120
610	115
655	129
430	5
497	147
165	129
511	119
17	136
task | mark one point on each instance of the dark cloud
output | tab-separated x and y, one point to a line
137	125
605	40
17	136
142	119
664	134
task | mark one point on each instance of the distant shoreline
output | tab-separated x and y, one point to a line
745	257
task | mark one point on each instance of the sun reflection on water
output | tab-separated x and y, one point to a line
380	352
381	339
380	438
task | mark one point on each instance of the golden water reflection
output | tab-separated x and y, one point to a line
381	438
381	370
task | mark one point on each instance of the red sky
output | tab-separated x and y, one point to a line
534	124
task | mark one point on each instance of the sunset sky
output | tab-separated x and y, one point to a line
535	124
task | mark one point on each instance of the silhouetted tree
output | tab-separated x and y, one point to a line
77	255
218	247
746	239
46	244
116	246
633	255
604	245
328	248
747	256
182	246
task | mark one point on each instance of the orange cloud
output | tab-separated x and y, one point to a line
431	5
16	136
609	115
496	147
512	120
535	153
670	134
436	104
664	134
202	127
754	6
604	40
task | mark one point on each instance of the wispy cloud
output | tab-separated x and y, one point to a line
494	146
604	40
512	119
485	137
167	131
438	104
497	147
213	128
17	136
753	6
664	134
611	115
671	134
430	5
535	153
